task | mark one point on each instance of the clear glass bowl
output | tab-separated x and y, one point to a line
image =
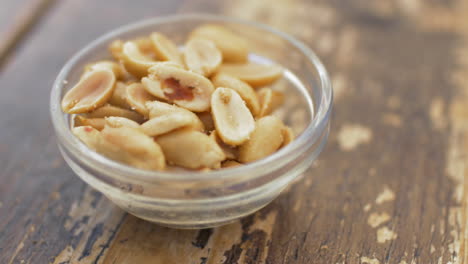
206	199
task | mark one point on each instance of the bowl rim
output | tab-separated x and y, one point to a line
299	145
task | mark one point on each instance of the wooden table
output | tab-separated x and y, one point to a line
390	187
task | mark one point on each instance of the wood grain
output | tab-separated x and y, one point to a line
398	146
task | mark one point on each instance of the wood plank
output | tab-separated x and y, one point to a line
17	18
391	186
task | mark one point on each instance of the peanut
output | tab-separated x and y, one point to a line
202	56
166	123
190	149
230	164
96	123
115	67
245	91
233	121
92	91
132	147
252	73
115	48
269	101
88	135
165	49
137	97
119	95
110	110
117	121
232	47
134	60
186	89
229	151
158	109
207	121
265	139
288	135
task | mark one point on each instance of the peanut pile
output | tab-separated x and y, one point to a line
156	107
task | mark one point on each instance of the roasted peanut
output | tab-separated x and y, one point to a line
230	164
233	121
137	97
132	147
166	123
115	48
115	67
96	123
165	49
269	101
245	91
190	149
202	56
145	45
265	139
110	110
232	47
288	135
119	95
117	121
158	109
134	60
253	73
229	151
88	135
186	89
92	91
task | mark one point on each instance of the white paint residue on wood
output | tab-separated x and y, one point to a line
376	219
385	196
351	136
384	234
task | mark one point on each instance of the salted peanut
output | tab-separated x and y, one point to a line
165	49
166	123
245	91
115	48
233	121
202	56
229	151
92	91
144	44
232	47
265	140
137	97
134	60
288	135
207	120
253	73
184	88
230	164
117	121
132	147
158	109
269	101
115	67
110	110
88	135
96	123
190	149
119	95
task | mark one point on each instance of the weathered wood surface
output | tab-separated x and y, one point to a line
390	187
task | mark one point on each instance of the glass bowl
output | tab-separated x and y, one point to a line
206	199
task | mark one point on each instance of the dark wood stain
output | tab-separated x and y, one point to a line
202	238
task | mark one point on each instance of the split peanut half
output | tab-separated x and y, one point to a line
158	109
115	49
184	88
253	73
165	49
233	48
96	123
132	147
230	164
190	149
233	121
110	110
117	121
245	91
288	135
115	67
265	139
119	95
269	101
88	135
229	151
137	97
201	56
92	91
134	60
